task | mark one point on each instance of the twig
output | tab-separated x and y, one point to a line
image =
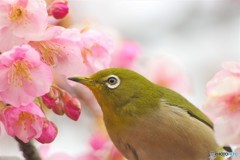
29	150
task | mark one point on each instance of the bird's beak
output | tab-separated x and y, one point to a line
83	80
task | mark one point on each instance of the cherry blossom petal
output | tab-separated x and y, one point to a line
8	40
229	128
232	67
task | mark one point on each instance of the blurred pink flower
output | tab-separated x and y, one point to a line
44	152
23	76
126	55
96	49
223	103
103	148
98	141
165	71
90	157
24	18
58	9
59	48
26	122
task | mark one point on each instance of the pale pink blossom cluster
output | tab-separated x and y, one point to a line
167	72
101	149
32	54
223	103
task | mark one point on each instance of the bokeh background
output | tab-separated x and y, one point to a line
198	34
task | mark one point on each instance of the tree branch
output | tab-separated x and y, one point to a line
29	150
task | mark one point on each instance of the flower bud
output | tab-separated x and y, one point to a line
58	108
73	108
58	9
49	132
54	94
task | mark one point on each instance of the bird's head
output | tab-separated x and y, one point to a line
117	87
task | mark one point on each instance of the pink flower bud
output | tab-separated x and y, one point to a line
73	108
58	9
49	132
58	108
50	99
49	102
54	94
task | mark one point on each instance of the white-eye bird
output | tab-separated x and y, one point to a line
149	122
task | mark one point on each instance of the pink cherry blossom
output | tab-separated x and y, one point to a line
126	55
59	48
223	103
96	49
25	18
58	9
23	76
26	122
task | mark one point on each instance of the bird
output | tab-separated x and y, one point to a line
146	121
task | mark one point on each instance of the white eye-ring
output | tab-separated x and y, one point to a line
113	81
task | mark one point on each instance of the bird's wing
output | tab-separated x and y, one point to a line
174	99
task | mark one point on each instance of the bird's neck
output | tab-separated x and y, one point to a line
125	113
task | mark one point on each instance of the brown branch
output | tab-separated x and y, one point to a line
29	150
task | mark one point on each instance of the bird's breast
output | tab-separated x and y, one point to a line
166	134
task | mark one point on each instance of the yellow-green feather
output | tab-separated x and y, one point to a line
175	99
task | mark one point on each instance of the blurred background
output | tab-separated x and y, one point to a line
198	34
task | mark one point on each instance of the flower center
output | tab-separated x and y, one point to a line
19	73
24	118
234	103
49	51
2	105
17	14
85	52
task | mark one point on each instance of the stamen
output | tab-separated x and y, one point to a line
23	117
19	73
17	14
235	104
48	51
85	52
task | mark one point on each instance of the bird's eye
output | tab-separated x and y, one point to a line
113	81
